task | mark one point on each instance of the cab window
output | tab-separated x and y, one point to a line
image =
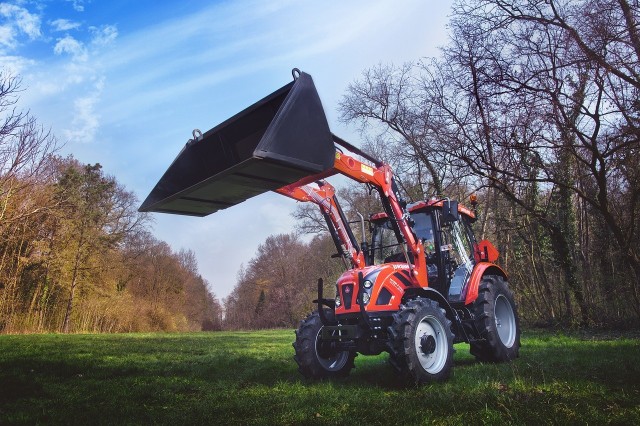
423	228
385	244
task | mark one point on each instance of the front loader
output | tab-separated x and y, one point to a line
421	285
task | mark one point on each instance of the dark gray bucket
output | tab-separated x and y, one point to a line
273	143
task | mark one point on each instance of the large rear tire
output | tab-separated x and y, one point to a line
421	342
316	358
497	321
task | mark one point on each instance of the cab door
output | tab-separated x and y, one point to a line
456	255
424	229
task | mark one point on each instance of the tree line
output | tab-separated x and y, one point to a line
276	288
534	106
75	255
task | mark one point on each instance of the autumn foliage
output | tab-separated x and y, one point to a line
75	255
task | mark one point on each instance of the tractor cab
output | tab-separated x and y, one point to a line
447	238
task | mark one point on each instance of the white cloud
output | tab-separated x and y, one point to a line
18	20
15	65
104	35
71	46
7	36
75	82
25	21
86	121
78	51
64	25
78	5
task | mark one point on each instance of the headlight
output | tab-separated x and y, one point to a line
365	297
367	284
338	302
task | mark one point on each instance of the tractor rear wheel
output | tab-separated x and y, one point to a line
497	321
421	341
318	359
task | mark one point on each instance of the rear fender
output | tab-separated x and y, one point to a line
480	270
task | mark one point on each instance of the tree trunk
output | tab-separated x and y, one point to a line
565	259
67	315
74	282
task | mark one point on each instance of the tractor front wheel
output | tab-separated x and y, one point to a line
318	359
497	321
421	341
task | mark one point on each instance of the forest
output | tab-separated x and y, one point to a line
75	254
532	105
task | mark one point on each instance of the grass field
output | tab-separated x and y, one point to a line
251	378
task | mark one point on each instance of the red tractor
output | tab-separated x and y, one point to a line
422	284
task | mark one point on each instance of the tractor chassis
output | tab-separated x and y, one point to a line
351	334
366	333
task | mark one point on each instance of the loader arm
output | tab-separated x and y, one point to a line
380	176
324	197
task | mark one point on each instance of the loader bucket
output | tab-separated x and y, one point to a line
273	143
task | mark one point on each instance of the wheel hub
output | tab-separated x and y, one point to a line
325	349
427	344
328	356
505	321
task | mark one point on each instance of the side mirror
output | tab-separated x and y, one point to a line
450	212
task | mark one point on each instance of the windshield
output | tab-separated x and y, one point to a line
385	245
423	228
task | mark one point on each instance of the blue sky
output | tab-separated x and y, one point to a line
123	83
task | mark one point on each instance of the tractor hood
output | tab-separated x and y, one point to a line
387	283
275	142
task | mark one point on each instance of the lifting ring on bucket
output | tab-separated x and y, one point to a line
197	135
295	73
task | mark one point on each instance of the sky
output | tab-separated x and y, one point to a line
124	83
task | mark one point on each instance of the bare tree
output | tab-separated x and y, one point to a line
534	103
25	154
25	149
388	101
578	62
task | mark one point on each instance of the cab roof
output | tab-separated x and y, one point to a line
428	205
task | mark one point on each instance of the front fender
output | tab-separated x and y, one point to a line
480	270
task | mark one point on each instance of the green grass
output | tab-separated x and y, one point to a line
251	378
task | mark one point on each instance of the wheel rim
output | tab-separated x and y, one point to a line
505	321
431	344
332	363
